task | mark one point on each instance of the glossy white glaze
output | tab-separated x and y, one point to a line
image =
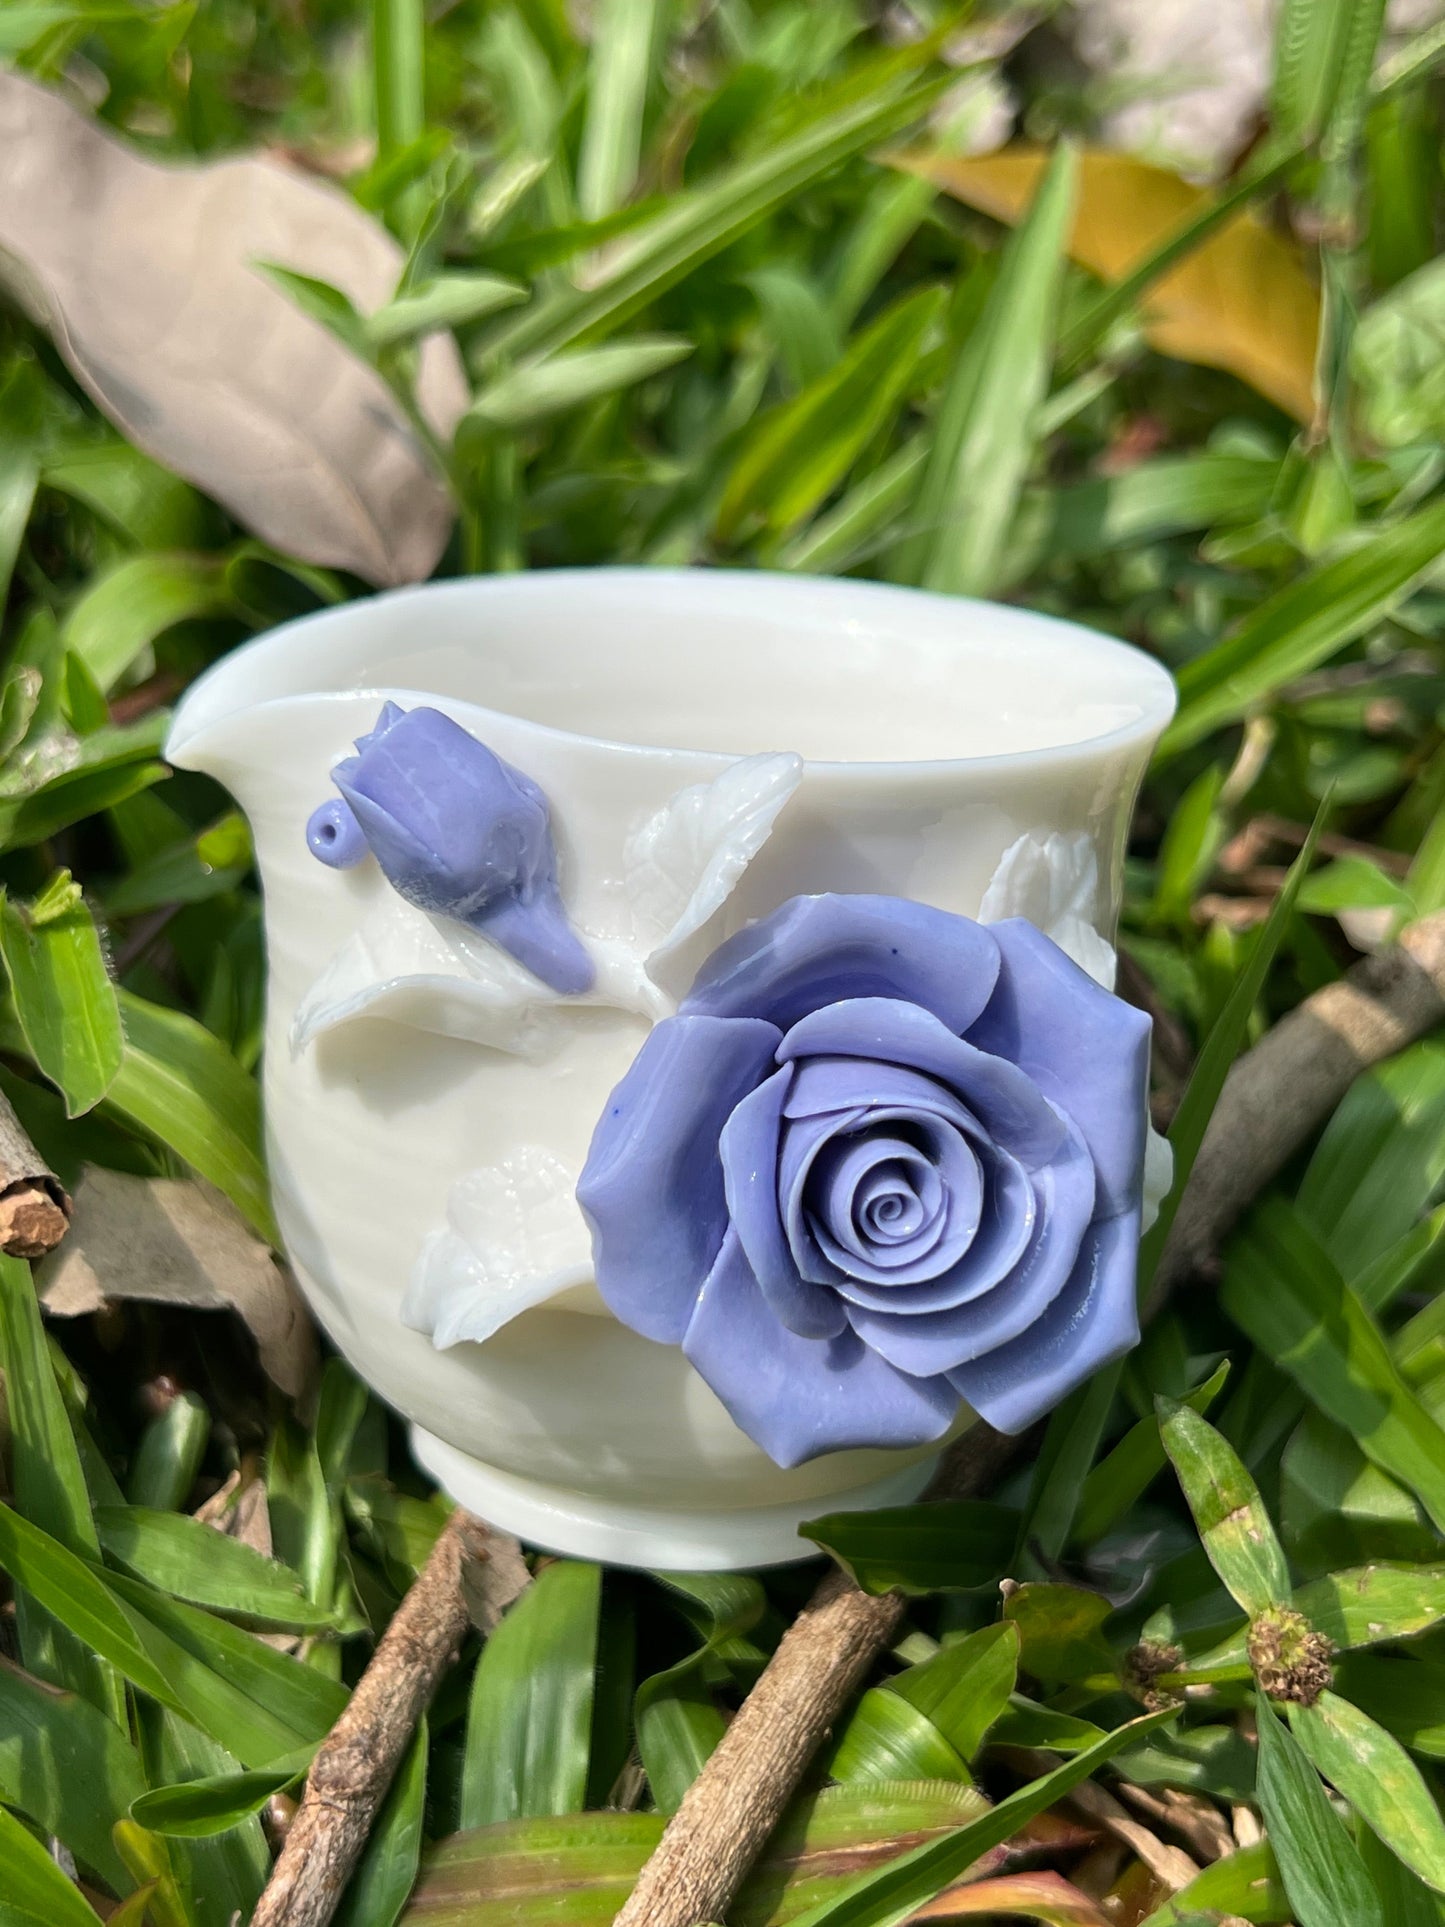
427	1107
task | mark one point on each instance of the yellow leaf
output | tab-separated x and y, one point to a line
1240	301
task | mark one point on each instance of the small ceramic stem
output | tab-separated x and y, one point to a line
1276	1096
350	1775
34	1208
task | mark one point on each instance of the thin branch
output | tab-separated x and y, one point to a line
1281	1092
735	1802
34	1206
1276	1096
350	1775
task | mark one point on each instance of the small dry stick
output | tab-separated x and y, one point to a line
351	1773
1275	1097
735	1802
1279	1093
34	1208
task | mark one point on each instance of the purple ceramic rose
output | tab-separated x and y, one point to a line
458	833
884	1160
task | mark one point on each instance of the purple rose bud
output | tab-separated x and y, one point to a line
458	833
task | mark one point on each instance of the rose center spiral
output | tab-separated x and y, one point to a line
894	1194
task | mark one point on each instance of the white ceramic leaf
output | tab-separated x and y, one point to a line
437	975
683	864
514	1238
411	968
1158	1174
1053	880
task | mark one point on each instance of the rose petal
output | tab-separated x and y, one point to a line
823	1084
1002	1241
881	1030
1092	1322
749	1147
1081	1046
816	950
842	1161
652	1186
938	1341
1009	1224
892	1205
795	1396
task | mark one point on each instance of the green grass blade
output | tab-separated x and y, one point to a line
198	1809
894	1892
1245	1884
124	608
192	1561
446	301
623	35
799	453
530	394
886	1738
1302	625
398	59
1320	1866
1237	1532
98	1611
985	432
1122	1476
48	1485
953	1545
1378	1778
165	1463
183	1086
1281	1288
676	1721
966	1687
33	1890
66	1767
531	1704
64	998
701	222
1221	1047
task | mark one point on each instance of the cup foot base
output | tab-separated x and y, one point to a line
632	1535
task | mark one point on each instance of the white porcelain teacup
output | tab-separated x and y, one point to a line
710	744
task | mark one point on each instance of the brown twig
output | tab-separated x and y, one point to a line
1276	1096
350	1775
735	1802
34	1206
1279	1093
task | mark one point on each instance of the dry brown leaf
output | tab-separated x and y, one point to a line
1189	1814
144	274
178	1241
1045	1897
239	1509
1241	301
495	1579
1171	1866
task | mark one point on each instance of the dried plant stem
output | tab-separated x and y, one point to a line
34	1208
350	1775
1275	1097
735	1802
733	1805
1279	1093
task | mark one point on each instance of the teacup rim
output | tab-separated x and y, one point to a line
1157	698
